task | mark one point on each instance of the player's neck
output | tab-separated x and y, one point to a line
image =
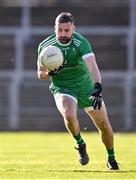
64	44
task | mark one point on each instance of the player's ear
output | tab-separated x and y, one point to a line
74	28
54	28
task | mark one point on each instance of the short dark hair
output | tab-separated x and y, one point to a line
64	17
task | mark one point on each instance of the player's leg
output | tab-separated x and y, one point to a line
102	123
67	106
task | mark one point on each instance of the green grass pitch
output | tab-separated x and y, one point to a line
51	156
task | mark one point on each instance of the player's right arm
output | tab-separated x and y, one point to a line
42	72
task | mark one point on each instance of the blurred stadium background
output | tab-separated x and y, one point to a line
110	26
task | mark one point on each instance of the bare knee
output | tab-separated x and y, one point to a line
69	110
104	126
69	116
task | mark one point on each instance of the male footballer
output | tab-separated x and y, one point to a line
78	85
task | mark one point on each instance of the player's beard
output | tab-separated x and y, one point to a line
64	40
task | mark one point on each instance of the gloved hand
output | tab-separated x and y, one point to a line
56	71
96	96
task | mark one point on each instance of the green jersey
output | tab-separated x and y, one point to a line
74	77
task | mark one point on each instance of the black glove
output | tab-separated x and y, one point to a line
56	71
96	96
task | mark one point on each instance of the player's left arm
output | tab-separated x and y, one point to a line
93	68
90	60
96	93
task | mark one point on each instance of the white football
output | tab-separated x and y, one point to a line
51	57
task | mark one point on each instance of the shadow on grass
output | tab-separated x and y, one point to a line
77	171
93	171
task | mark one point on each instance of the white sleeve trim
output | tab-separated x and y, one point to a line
87	55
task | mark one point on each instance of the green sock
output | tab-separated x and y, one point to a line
79	139
111	155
